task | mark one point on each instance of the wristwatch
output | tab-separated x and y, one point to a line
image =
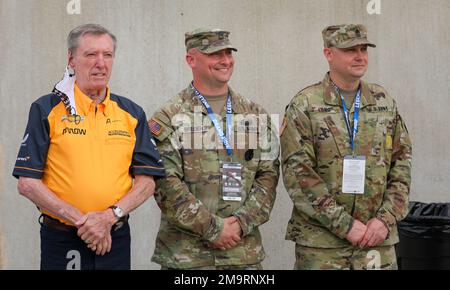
118	212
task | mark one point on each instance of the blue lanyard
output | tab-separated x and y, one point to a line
212	116
351	133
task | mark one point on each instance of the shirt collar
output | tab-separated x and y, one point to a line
85	104
331	97
237	107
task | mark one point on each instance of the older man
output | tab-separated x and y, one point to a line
346	158
220	185
82	148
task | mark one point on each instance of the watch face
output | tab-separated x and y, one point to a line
118	212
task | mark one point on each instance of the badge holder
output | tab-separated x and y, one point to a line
231	180
354	174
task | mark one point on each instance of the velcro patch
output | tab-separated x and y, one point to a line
388	142
155	127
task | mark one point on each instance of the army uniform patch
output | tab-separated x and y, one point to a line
388	142
155	127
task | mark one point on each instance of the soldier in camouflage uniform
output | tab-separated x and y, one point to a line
200	228
333	229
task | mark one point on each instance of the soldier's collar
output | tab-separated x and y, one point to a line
238	108
332	98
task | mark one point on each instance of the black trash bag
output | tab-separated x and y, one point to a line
426	220
425	237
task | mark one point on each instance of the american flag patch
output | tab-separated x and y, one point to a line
155	127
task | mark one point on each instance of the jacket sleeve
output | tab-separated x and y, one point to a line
305	187
32	155
395	201
146	159
258	205
178	205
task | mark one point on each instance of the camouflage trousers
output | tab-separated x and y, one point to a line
257	266
348	258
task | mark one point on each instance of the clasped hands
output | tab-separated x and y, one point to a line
230	235
94	229
367	235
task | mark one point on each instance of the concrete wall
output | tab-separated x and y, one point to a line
279	45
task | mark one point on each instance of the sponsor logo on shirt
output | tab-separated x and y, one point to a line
77	119
74	131
24	159
119	133
24	140
109	121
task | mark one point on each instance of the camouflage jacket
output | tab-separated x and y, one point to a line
313	143
190	196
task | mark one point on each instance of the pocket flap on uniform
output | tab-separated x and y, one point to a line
341	140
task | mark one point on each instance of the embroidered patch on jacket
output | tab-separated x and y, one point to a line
155	127
388	142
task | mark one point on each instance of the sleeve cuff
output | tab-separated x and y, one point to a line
215	229
148	170
387	219
350	227
343	226
27	172
244	227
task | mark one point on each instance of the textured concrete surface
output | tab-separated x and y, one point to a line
279	45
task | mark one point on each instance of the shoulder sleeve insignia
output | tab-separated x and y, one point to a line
155	127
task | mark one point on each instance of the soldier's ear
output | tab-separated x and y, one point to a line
190	58
328	53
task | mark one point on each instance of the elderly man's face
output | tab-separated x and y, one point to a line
92	62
